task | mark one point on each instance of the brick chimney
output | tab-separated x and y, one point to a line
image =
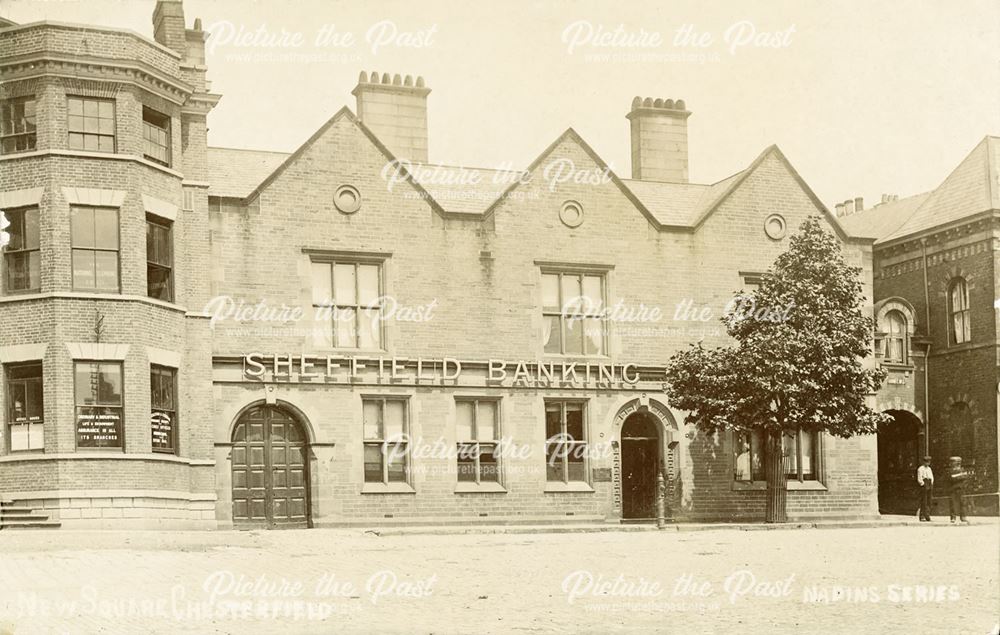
659	140
168	25
395	109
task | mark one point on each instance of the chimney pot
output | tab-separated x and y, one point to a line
659	140
859	204
363	78
839	209
374	78
848	207
408	81
397	80
420	81
680	105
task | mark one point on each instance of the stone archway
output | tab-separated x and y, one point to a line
645	444
900	446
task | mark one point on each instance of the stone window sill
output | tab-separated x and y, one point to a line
574	486
480	488
792	486
387	488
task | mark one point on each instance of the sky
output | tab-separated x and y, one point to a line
864	98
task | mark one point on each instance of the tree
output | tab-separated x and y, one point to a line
797	363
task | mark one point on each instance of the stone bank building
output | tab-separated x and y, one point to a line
349	334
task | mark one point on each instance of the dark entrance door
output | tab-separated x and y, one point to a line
899	451
270	471
640	463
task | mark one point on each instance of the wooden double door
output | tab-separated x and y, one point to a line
270	470
640	448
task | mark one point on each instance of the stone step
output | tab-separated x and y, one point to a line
30	524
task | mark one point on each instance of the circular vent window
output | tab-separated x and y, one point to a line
775	227
571	214
347	199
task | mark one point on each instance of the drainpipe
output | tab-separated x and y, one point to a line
927	353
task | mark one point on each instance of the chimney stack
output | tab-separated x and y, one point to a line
395	109
659	140
168	25
840	209
859	204
848	207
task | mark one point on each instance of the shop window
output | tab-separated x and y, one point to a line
95	248
99	411
565	441
799	451
477	432
25	412
91	124
163	402
347	296
386	440
159	259
572	310
156	136
22	258
17	125
958	307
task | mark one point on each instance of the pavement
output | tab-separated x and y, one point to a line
896	577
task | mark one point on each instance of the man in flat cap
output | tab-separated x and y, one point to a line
925	478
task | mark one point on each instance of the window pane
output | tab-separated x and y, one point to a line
83	269
106	144
466	464
368	287
396	460
551	334
555	456
593	336
110	385
553	424
463	420
322	329
486	418
75	107
346	326
571	294
343	281
757	456
86	380
790	455
105	228
106	126
489	467
322	293
75	141
574	336
550	292
395	419
575	459
158	283
370	335
807	454
36	439
82	222
90	108
594	299
17	400
372	420
741	454
373	464
31	229
106	264
574	421
105	109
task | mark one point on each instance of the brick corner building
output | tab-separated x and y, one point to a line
349	334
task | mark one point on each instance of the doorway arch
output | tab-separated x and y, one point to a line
645	446
900	444
270	469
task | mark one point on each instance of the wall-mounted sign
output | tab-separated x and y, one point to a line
98	427
446	371
162	425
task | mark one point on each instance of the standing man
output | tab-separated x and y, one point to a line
958	478
925	478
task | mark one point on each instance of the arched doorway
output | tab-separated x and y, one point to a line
899	454
640	450
270	470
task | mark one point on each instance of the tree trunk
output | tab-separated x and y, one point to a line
777	485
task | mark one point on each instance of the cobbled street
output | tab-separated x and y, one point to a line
913	579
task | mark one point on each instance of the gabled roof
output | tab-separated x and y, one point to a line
972	188
477	192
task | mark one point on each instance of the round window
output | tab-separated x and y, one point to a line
571	214
347	199
774	227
